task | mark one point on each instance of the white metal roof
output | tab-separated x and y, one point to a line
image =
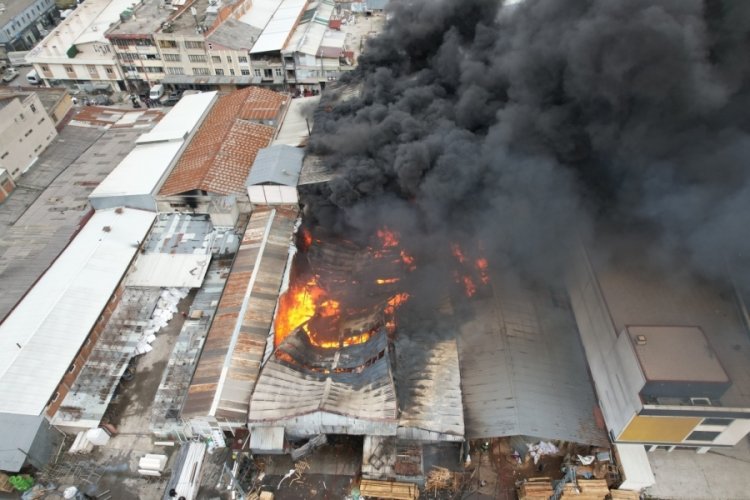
170	270
140	171
308	36
41	336
279	27
260	13
181	119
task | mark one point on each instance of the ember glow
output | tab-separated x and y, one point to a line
481	265
387	281
470	274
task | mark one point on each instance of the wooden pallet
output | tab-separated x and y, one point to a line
538	488
388	489
624	495
586	489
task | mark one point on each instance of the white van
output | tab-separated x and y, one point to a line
157	91
33	77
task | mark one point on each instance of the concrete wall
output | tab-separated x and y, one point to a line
25	132
321	422
143	202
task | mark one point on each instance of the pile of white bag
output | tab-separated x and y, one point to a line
166	308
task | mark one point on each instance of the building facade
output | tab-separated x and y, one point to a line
24	22
667	353
25	131
76	54
7	185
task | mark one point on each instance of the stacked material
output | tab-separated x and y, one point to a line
389	490
624	495
152	465
535	488
440	478
586	489
165	310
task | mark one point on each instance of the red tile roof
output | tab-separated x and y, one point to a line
219	157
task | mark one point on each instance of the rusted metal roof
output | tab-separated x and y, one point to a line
219	157
231	357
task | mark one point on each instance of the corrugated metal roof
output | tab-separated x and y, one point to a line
288	387
181	119
18	433
232	353
523	368
266	439
429	389
298	122
140	172
279	27
219	156
310	32
177	253
42	335
276	165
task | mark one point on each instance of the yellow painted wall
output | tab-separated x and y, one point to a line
645	429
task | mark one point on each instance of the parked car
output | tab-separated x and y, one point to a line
33	77
170	101
10	74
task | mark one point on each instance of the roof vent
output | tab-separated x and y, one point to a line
640	339
119	210
106	229
700	401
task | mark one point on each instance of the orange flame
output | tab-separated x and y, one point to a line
458	253
469	287
388	238
307	239
481	265
387	281
297	306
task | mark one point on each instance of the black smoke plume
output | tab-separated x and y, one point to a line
521	127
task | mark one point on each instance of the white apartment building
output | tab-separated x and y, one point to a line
25	131
76	51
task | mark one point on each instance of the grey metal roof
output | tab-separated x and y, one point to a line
523	368
278	164
288	388
429	389
267	439
18	433
314	171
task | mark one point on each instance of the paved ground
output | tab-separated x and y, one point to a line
719	474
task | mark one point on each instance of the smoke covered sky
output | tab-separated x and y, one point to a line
522	128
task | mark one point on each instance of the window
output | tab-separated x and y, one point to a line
229	59
121	43
231	72
152	57
129	57
702	436
242	59
167	44
154	69
278	71
54	397
197	58
175	71
172	57
216	59
245	72
28	132
717	421
257	72
201	71
91	68
109	70
33	108
72	368
194	45
268	73
4	155
40	121
68	68
220	72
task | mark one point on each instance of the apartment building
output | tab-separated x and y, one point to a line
25	131
7	185
184	44
24	22
668	351
76	52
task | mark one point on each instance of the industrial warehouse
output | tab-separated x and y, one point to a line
416	282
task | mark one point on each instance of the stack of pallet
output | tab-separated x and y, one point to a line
624	495
388	490
586	489
535	488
